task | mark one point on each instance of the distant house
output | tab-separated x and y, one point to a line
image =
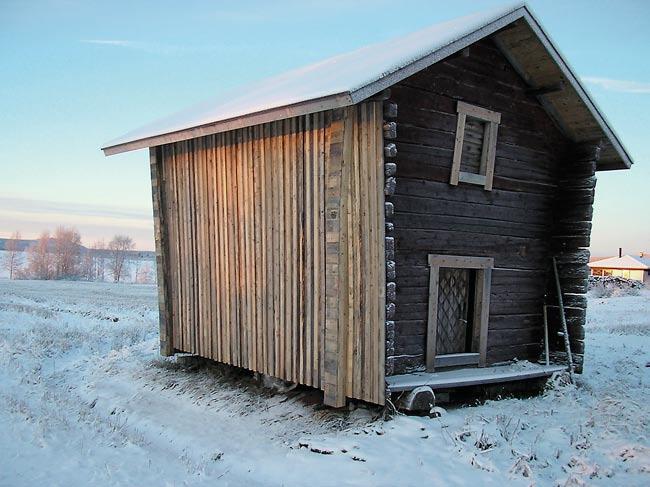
630	267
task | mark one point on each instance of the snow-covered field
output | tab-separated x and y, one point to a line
85	400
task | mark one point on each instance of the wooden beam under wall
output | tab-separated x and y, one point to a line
160	234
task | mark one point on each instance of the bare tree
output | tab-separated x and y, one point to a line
67	244
13	258
99	260
87	265
144	273
118	248
40	262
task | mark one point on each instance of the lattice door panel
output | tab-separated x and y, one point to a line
453	304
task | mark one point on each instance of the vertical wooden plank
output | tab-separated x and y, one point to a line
224	253
191	159
353	265
258	255
174	241
379	336
268	249
214	249
185	179
243	319
483	300
289	214
207	239
336	253
296	127
376	240
491	153
231	190
325	124
278	262
199	153
432	317
458	149
366	189
160	235
252	247
300	265
248	290
306	363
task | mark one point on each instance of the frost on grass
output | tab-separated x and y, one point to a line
85	399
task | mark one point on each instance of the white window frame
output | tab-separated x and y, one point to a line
486	172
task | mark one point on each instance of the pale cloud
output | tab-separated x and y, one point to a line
109	42
94	222
620	85
151	47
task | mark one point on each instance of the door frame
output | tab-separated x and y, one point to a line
481	312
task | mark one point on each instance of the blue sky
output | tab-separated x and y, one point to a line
76	74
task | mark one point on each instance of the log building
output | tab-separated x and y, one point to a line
384	219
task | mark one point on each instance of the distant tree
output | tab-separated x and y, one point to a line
118	249
40	262
87	266
144	273
13	258
99	260
67	245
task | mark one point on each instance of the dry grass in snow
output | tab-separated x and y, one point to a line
86	400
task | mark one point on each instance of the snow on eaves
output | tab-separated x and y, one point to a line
341	75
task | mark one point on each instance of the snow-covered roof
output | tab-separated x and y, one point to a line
349	78
625	262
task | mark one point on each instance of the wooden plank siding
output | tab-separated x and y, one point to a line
275	257
512	223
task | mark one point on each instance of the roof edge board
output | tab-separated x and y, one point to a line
432	58
557	57
303	108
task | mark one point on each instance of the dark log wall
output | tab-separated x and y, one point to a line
570	241
512	223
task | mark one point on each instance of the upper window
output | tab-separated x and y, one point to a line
476	141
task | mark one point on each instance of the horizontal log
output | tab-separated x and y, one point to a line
391	292
520	352
389	210
390	150
390	130
410	204
390	186
467	194
470	224
390	270
389	248
405	364
390	109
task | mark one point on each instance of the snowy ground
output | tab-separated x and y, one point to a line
85	400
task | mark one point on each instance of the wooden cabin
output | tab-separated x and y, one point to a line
384	219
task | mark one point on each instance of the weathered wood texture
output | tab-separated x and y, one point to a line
276	249
162	250
512	223
570	241
355	278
